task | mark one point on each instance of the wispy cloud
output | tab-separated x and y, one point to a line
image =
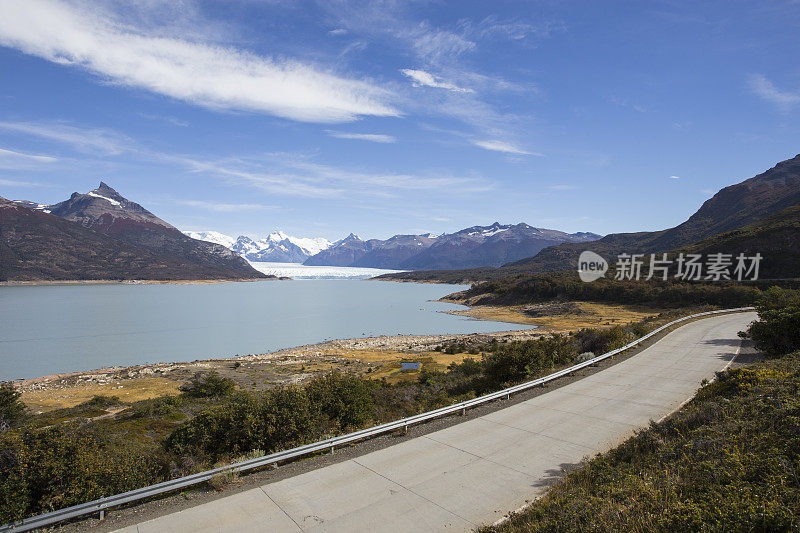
674	177
166	118
220	207
433	44
764	88
373	137
80	35
505	147
12	154
89	140
493	27
625	103
421	78
17	183
562	187
288	175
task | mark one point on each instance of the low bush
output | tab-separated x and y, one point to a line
208	384
777	330
12	410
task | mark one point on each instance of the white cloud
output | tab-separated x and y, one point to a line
374	137
84	139
562	187
214	206
288	175
338	31
674	177
166	118
203	74
12	154
422	78
502	146
15	183
767	90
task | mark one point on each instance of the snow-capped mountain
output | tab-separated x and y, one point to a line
33	205
277	247
212	236
491	245
103	235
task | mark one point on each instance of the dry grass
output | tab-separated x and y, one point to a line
595	315
386	364
128	390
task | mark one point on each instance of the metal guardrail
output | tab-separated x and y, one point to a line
98	506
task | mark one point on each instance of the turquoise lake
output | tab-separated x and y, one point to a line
50	329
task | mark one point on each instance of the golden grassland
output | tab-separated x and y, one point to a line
128	390
594	315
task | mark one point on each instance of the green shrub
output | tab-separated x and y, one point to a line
344	398
208	384
43	470
777	331
12	410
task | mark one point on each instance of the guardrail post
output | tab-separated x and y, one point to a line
405	429
463	411
102	511
333	449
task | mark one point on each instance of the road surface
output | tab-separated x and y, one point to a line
473	473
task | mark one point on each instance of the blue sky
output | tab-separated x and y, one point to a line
325	118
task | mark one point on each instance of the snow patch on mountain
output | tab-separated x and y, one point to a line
113	202
275	247
212	236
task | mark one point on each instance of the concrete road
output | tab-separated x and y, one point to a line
473	473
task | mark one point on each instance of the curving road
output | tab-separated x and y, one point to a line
473	473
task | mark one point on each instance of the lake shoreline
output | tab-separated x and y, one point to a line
138	382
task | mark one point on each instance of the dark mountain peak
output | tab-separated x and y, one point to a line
104	190
586	235
104	209
107	235
351	238
481	230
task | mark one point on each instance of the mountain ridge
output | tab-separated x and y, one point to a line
732	207
126	240
490	245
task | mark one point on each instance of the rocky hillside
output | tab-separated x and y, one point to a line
776	238
732	207
105	211
102	235
767	197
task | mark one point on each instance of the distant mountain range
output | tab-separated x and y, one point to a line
758	213
277	247
476	246
103	235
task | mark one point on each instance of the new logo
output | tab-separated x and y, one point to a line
591	266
